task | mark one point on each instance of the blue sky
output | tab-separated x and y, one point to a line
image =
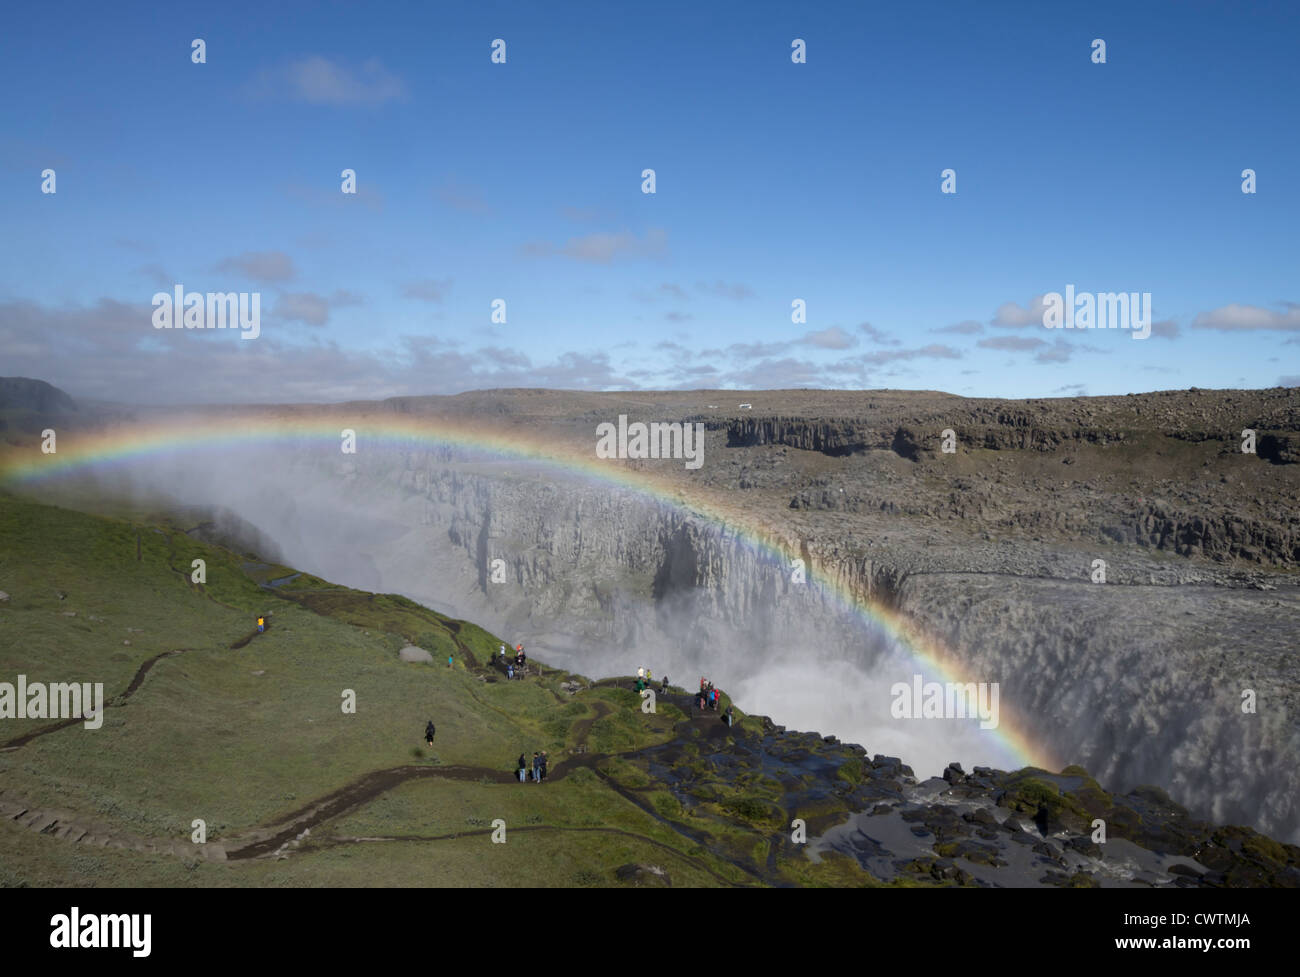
522	181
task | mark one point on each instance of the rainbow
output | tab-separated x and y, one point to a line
175	436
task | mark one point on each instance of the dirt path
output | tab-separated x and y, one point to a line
117	700
367	787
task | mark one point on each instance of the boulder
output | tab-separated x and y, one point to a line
412	653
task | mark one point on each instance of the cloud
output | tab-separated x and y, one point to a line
1062	349
666	290
1290	380
342	296
1076	388
676	350
1013	316
727	290
878	337
426	289
783	373
603	247
1236	317
933	351
320	81
110	351
1018	343
1165	329
678	316
305	307
311	308
1059	352
832	338
466	199
754	351
263	266
966	328
157	274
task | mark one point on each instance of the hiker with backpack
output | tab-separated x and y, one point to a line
428	732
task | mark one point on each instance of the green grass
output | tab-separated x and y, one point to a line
244	736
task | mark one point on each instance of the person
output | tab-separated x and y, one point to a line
640	673
537	767
428	732
261	625
543	764
449	661
510	671
649	677
503	651
664	686
522	768
731	716
640	685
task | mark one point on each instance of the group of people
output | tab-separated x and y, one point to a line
644	678
538	769
709	698
516	667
